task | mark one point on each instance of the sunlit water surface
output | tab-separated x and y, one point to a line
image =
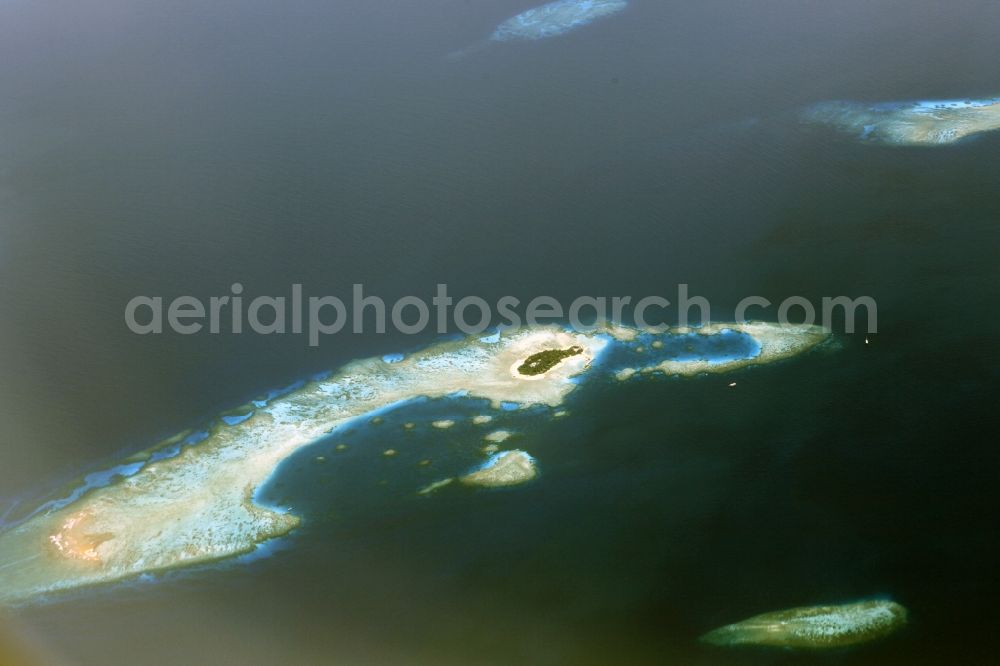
175	148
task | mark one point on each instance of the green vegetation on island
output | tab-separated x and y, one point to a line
543	361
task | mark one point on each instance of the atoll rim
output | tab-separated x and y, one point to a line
186	504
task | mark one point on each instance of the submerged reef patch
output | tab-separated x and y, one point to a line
921	123
498	436
507	468
814	627
549	20
436	485
555	18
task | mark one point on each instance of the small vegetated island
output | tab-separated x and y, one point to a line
177	505
543	361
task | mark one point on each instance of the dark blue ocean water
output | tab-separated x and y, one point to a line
175	148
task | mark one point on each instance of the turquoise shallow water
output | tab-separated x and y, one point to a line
726	346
